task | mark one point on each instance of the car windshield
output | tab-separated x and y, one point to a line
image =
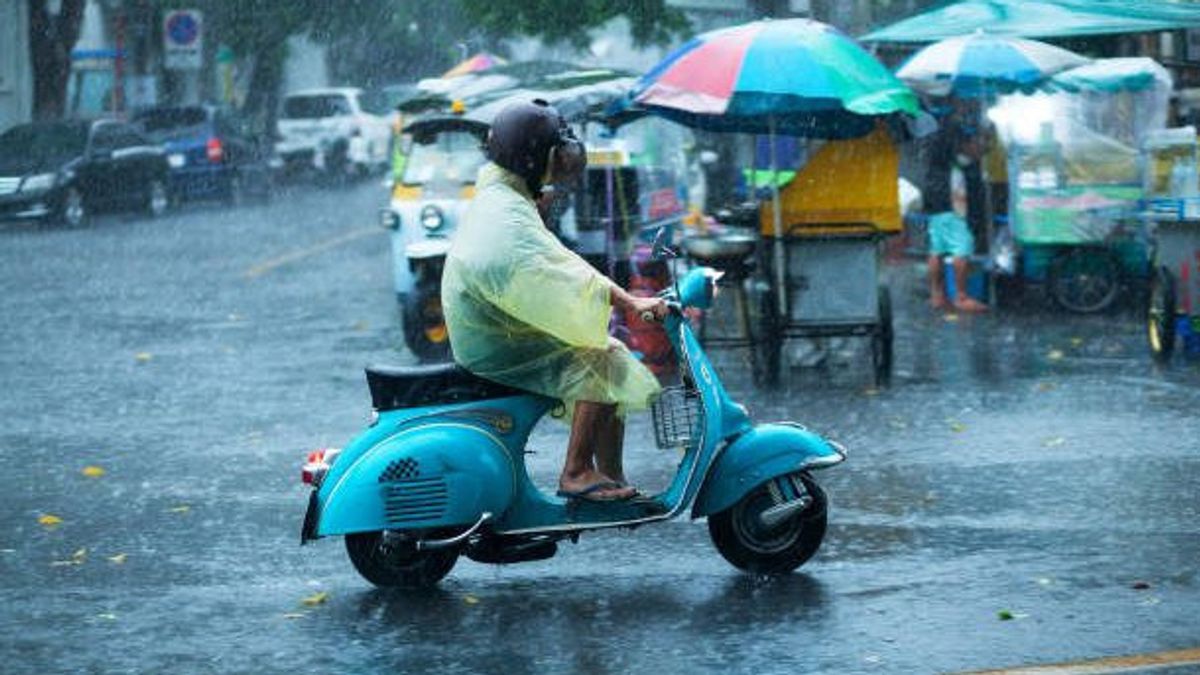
163	123
315	106
448	157
44	141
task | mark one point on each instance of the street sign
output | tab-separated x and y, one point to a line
183	39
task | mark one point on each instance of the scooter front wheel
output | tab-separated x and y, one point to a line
398	564
746	542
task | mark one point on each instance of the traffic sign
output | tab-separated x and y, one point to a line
183	39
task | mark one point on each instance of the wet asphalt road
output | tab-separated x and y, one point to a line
1028	463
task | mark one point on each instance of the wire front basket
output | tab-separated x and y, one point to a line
677	417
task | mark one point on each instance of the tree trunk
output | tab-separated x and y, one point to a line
51	39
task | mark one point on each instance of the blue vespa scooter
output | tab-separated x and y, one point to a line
441	472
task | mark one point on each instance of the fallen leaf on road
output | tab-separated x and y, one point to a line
870	391
80	554
950	318
107	616
1055	355
143	357
182	508
1140	585
49	520
65	563
93	471
1076	342
1152	600
118	559
1054	442
1005	615
315	599
294	615
956	426
470	600
1044	581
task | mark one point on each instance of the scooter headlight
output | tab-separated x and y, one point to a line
389	219
432	218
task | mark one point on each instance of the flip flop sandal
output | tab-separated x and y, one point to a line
588	494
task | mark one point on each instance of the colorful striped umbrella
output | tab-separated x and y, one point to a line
796	77
479	62
982	65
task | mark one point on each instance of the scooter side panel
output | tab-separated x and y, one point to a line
765	452
434	475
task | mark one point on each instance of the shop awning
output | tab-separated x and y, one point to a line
1041	19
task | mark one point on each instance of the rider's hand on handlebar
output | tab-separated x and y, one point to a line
650	309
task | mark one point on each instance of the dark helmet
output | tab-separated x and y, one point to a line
522	136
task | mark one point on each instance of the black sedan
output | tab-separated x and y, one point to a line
68	170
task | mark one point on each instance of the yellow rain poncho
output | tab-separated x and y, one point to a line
524	310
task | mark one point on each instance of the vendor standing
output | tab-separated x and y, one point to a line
524	310
945	201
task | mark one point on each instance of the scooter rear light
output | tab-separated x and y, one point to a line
214	150
316	465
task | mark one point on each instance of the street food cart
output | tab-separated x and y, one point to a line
1075	178
836	212
1171	212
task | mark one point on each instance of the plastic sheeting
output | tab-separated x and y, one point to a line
524	310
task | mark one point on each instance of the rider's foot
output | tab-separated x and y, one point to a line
937	300
594	486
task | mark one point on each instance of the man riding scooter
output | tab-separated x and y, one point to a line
525	311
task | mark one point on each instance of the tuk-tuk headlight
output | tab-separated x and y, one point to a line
389	219
432	217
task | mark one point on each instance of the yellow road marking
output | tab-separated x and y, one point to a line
1106	666
300	254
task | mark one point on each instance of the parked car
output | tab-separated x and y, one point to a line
212	151
335	131
68	170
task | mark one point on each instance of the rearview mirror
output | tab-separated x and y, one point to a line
661	250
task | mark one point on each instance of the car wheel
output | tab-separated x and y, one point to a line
158	200
73	211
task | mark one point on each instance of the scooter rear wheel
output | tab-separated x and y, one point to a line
741	538
397	564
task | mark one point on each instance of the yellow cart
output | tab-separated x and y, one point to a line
822	278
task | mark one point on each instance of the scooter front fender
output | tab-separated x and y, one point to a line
767	451
435	475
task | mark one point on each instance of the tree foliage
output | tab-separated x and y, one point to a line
651	21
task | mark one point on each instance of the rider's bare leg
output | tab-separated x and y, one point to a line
611	449
588	433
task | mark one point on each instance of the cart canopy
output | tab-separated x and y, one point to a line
1041	18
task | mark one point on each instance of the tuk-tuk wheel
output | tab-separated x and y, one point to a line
1160	315
425	331
1085	280
883	339
398	564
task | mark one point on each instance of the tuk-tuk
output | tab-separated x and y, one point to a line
442	158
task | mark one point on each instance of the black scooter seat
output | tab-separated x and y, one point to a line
396	387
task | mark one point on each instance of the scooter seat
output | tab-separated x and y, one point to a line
396	387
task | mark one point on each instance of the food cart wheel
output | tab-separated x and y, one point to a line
770	339
882	340
1160	315
1085	280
